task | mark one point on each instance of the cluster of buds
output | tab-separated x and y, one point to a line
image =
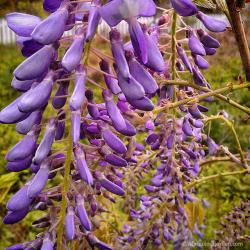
93	145
235	225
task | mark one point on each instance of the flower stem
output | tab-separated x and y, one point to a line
211	177
65	187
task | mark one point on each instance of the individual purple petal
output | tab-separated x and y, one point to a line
70	223
129	130
21	85
37	97
110	186
60	125
59	100
201	62
73	55
138	40
113	111
141	75
115	160
186	127
20	200
184	7
26	125
14	216
149	124
195	45
82	166
78	96
146	8
24	148
93	20
207	40
130	87
170	140
144	103
111	82
45	32
99	244
183	56
19	246
212	146
47	243
113	141
30	47
46	142
17	166
195	112
51	5
92	107
210	51
198	77
35	65
196	123
82	213
211	23
76	125
155	59
11	114
22	24
39	181
119	53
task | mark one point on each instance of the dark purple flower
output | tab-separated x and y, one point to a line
211	23
81	165
14	216
22	24
73	55
82	213
51	5
30	47
24	148
36	65
46	142
212	146
39	181
16	166
60	125
78	96
184	7
45	32
210	51
144	103
59	100
70	223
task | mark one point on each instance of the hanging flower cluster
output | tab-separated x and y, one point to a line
141	126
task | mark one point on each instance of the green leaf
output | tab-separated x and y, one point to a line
7	179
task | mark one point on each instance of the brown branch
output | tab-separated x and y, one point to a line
240	36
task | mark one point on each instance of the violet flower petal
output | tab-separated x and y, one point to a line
17	166
70	224
51	5
45	32
82	213
22	24
184	7
35	65
14	216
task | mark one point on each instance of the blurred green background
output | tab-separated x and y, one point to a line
222	193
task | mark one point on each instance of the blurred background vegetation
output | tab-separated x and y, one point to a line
221	193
